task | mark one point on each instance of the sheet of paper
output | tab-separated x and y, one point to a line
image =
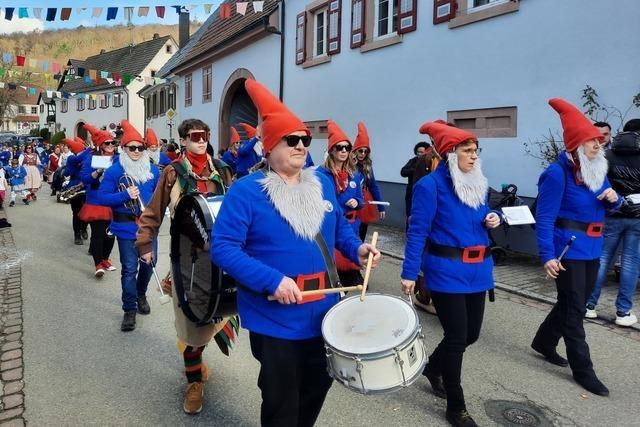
101	162
518	215
634	198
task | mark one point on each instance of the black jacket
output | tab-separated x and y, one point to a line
624	176
407	172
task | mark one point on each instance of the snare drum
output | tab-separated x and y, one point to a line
374	346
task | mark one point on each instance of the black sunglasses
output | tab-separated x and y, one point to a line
293	140
134	148
362	151
346	148
109	143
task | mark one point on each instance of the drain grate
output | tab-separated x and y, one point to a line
514	414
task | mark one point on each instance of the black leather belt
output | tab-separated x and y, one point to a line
470	255
123	217
592	229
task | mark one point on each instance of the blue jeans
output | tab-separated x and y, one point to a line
627	230
135	274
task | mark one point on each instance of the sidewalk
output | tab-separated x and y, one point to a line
520	274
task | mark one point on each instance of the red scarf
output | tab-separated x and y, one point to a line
198	162
342	180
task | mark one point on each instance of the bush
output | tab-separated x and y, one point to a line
34	132
57	138
45	134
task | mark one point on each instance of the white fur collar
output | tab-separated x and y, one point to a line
300	205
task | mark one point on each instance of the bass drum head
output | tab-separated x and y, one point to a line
379	323
203	290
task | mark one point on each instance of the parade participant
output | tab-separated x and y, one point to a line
127	187
97	215
450	214
230	157
194	172
3	186
370	189
17	175
264	238
248	155
52	167
31	163
156	156
573	194
173	152
5	156
65	154
407	171
72	170
340	168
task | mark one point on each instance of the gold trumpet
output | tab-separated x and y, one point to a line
136	206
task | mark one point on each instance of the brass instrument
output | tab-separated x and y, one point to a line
136	206
71	193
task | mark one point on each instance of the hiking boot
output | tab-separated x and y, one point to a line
99	271
108	266
128	321
551	356
193	398
460	418
77	240
143	305
591	312
84	234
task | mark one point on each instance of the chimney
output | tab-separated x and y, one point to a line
183	29
156	36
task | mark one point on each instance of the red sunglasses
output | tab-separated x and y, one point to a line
198	136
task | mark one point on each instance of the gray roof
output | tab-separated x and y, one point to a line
130	60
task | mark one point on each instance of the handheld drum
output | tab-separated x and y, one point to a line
203	290
374	346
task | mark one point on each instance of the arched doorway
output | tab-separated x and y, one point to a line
236	107
81	131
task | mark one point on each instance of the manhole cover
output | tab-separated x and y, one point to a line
515	414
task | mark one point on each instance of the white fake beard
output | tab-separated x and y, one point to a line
154	156
470	187
301	205
139	170
593	171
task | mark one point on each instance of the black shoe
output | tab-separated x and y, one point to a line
12	204
552	356
591	383
53	193
128	321
436	383
460	418
84	234
77	240
143	305
25	201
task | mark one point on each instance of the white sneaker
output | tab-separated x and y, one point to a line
626	320
591	313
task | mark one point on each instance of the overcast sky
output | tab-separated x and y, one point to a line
85	17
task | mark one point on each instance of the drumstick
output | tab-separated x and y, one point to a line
322	291
164	298
367	272
562	254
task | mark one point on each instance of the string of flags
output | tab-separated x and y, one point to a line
51	13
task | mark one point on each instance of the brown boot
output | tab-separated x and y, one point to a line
193	398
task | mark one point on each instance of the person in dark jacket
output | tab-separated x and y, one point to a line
623	225
573	194
407	172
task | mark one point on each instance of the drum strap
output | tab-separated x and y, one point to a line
334	280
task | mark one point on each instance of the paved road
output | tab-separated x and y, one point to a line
81	370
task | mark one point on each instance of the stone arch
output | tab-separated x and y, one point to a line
235	105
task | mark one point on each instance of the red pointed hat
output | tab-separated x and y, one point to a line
445	137
235	137
277	120
151	139
76	145
129	133
336	134
362	140
248	129
98	136
577	128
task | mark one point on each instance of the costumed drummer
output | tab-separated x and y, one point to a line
573	194
264	237
194	172
72	170
127	187
450	214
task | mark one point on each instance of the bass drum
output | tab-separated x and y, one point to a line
203	290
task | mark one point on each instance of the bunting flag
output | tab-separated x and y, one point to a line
65	13
112	12
258	6
93	74
51	14
87	79
207	8
97	11
45	65
160	11
104	74
241	7
178	9
128	13
126	79
1	71
33	63
225	11
32	91
37	12
6	57
1	85
143	11
8	13
20	60
23	12
56	67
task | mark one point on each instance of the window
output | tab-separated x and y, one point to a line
42	108
172	97
316	46
320	33
386	18
206	84
487	122
80	104
463	12
187	89
153	73
64	106
477	5
34	110
163	101
169	49
22	109
92	103
148	106
104	101
154	104
380	23
318	129
117	99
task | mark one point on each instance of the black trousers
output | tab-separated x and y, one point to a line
565	319
362	231
76	205
461	318
101	244
293	380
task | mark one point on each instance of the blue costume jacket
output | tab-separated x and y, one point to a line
109	194
438	216
256	246
230	160
5	156
16	175
74	165
247	157
91	184
372	185
353	191
560	197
